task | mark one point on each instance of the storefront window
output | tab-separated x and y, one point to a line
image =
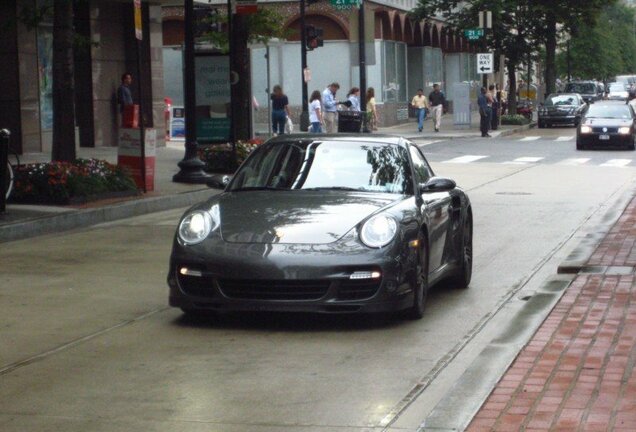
394	72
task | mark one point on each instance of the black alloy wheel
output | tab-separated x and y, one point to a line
465	273
419	284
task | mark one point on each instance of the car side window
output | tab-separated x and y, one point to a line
422	170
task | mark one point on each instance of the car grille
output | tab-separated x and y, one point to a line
609	130
274	289
358	289
197	286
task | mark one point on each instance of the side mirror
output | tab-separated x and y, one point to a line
218	181
438	184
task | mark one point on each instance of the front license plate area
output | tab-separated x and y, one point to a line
603	137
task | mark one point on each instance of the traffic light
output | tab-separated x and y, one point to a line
314	37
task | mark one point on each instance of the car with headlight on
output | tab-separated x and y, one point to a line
617	91
327	224
607	124
561	108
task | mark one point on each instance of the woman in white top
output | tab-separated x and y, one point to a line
315	112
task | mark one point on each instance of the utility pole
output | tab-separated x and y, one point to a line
362	58
485	22
304	115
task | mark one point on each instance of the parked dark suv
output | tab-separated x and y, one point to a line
590	91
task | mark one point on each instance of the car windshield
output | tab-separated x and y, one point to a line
617	111
583	88
324	165
617	87
562	100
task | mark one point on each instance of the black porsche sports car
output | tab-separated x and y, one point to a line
607	124
324	223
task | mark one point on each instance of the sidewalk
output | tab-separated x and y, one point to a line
578	370
24	221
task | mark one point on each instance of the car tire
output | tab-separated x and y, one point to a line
420	285
463	276
632	146
579	145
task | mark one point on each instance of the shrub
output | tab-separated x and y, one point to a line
218	157
60	182
514	119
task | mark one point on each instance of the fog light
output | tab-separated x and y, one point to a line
189	272
365	275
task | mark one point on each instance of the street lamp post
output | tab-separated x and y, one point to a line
362	54
191	167
304	115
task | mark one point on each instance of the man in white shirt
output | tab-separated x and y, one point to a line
330	107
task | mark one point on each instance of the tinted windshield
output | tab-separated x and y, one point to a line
371	167
562	100
582	88
618	111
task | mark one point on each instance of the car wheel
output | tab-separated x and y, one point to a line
579	145
632	146
465	272
419	284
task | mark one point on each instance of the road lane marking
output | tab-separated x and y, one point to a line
524	160
574	161
616	163
564	138
464	159
426	142
530	138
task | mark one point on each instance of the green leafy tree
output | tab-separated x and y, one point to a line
512	35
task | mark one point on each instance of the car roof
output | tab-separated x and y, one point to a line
368	138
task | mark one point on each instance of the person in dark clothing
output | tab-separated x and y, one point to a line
484	112
494	112
280	110
436	101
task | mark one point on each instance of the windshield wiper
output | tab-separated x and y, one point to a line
257	188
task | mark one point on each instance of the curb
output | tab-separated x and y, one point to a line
471	135
87	217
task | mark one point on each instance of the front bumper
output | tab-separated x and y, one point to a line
615	139
294	278
554	119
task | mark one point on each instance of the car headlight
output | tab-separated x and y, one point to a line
196	226
586	129
624	130
378	231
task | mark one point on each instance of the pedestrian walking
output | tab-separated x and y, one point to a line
280	110
372	113
354	98
419	103
494	113
315	112
436	101
484	112
330	107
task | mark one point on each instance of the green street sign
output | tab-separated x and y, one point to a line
473	34
344	4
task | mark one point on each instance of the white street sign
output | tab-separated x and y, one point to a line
485	63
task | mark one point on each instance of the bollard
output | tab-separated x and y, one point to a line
4	173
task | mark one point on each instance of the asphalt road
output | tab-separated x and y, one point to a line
88	343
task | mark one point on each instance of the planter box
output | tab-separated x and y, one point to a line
77	200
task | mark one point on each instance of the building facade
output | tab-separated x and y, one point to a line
108	48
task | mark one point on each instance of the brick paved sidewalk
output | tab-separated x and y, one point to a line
578	371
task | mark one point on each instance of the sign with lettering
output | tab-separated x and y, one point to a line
485	63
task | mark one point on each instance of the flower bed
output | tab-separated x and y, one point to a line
70	182
218	157
514	119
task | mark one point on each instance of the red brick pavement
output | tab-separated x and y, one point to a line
578	371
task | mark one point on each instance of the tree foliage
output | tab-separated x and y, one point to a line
603	50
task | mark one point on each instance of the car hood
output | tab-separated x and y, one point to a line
610	122
560	108
286	217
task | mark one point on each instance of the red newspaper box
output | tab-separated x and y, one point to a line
130	116
129	155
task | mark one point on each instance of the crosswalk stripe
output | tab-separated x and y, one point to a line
524	160
616	163
574	161
564	138
530	138
464	159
